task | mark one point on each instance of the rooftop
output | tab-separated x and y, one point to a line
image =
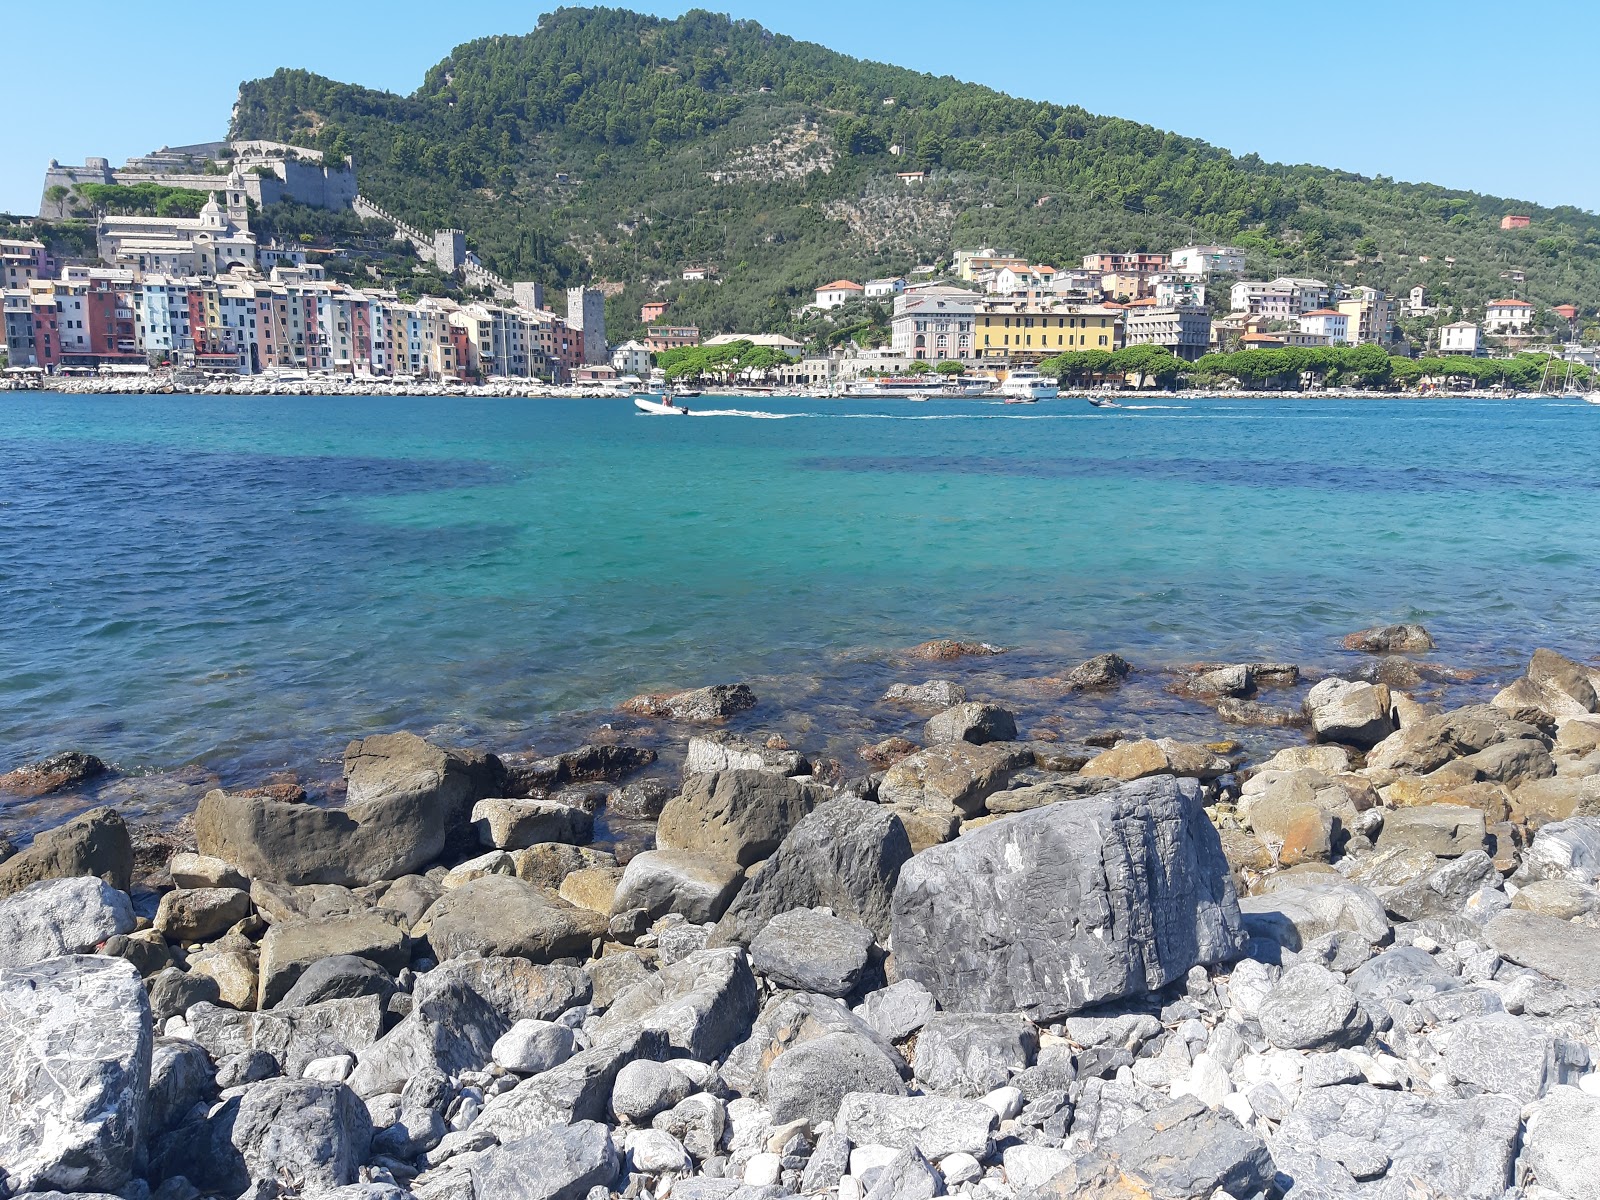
840	285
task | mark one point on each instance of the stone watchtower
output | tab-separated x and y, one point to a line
449	250
586	310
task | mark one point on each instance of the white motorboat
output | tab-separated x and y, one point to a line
1028	384
1593	398
658	406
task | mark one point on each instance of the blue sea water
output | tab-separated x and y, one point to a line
245	583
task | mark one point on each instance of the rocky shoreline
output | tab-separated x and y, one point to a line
992	955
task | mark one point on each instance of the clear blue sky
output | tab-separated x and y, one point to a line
1491	96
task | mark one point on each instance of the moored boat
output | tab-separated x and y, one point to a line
1028	384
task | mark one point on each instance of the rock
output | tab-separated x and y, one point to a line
907	1176
1055	910
1540	802
578	1090
499	916
1436	1145
452	1031
1562	1142
1054	791
698	887
593	888
698	1122
931	697
245	1068
1567	953
956	776
720	750
593	761
740	816
549	863
530	1047
813	951
1560	898
1253	712
75	1052
1567	849
698	705
809	1080
233	970
291	1035
290	947
1401	973
189	870
1160	756
96	843
701	1004
947	650
643	1089
972	1054
1030	1167
1429	744
972	722
1293	831
1504	1054
1444	890
788	1020
515	988
1356	714
1390	639
1101	671
404	799
640	801
1310	1008
1445	830
1554	685
60	916
1517	760
339	977
317	1134
932	1124
57	773
172	991
180	1077
845	856
518	824
898	1010
1294	917
198	914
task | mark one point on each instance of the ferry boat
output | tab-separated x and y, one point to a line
1027	384
915	387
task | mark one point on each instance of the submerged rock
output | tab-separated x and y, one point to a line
54	774
947	650
698	705
1390	639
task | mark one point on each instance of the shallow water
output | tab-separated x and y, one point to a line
236	585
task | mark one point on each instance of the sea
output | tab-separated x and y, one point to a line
205	589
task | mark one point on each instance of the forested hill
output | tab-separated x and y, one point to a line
610	146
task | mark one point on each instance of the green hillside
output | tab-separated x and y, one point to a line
613	147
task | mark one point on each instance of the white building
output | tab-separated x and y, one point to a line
631	358
773	341
1208	260
1508	316
884	287
1176	290
1303	295
840	291
1185	331
1328	323
935	323
1463	337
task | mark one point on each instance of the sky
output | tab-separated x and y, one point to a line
1468	93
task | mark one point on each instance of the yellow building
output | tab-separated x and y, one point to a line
1029	332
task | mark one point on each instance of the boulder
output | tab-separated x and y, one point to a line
812	950
1566	952
845	856
405	798
720	750
290	947
1294	917
548	863
696	706
190	870
949	649
1390	639
934	1125
1567	849
1555	898
957	776
515	988
558	1164
172	990
501	916
181	1076
1445	830
339	977
789	1020
452	1031
972	722
1429	744
593	888
972	1054
644	1088
1101	671
577	1090
96	843
1402	973
1158	756
290	1035
698	1124
700	1005
810	1079
1310	1008
740	816
931	697
1356	714
1501	1053
1058	909
641	800
1554	686
68	769
75	1050
907	1176
1444	890
696	886
318	1134
61	916
1562	1143
518	824
198	914
897	1011
1235	680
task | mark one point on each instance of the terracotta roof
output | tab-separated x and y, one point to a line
1260	337
1324	312
1509	304
840	285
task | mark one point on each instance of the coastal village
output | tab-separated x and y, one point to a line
202	297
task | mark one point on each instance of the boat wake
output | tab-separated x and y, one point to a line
741	412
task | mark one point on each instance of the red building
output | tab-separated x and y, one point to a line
112	335
1512	222
653	311
46	334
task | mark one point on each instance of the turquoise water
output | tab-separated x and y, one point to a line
247	582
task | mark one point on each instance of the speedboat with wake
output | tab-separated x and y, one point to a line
659	406
1104	402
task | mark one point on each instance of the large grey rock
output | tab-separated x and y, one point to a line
1501	1053
720	750
789	1020
697	887
290	947
75	1048
898	1010
809	1080
644	1088
1429	744
1554	685
972	722
291	1035
198	914
935	1125
972	1054
181	1076
1440	1147
452	1031
558	1164
577	1090
845	855
1562	1143
95	843
501	916
1445	830
60	916
702	705
957	776
813	951
701	1004
318	1134
339	977
517	824
530	1047
698	1122
405	800
1294	917
1402	973
740	816
1390	639
1310	1008
1355	714
514	987
907	1176
1564	951
1444	890
1058	909
931	697
1567	849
